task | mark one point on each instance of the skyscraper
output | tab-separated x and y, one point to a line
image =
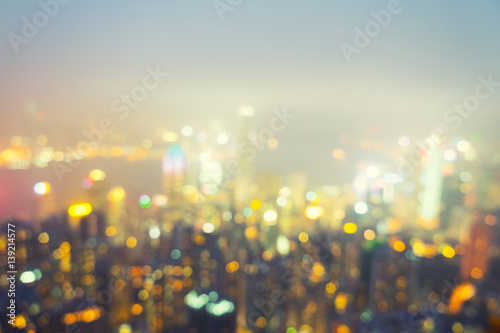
430	202
175	166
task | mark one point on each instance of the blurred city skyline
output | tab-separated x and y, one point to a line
242	166
266	55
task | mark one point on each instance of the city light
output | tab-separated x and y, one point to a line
361	208
187	131
80	210
43	238
208	228
369	234
136	309
255	204
232	267
131	242
160	200
154	232
350	228
330	288
246	111
270	216
372	171
311	196
27	277
263	167
399	246
338	154
281	201
314	212
283	245
461	294
42	188
110	231
303	237
116	194
144	200
97	175
448	252
175	254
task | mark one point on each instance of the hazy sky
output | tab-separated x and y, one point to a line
264	53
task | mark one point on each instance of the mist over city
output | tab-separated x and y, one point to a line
249	166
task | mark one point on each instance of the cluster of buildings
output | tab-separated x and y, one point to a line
224	248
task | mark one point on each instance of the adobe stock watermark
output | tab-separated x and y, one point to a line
453	118
121	106
223	6
29	30
248	149
371	30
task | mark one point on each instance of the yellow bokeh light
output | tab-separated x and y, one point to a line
272	143
457	328
448	252
430	252
261	322
343	329
131	242
350	228
116	194
330	288
232	267
255	204
305	329
399	246
418	248
338	153
96	175
476	273
169	136
339	214
303	237
318	269
42	140
341	301
251	233
20	322
267	255
143	294
88	315
69	319
80	209
314	212
43	238
110	231
58	156
65	247
369	234
136	309
460	294
124	329
177	286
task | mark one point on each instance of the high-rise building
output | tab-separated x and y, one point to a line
175	166
475	262
430	202
245	161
